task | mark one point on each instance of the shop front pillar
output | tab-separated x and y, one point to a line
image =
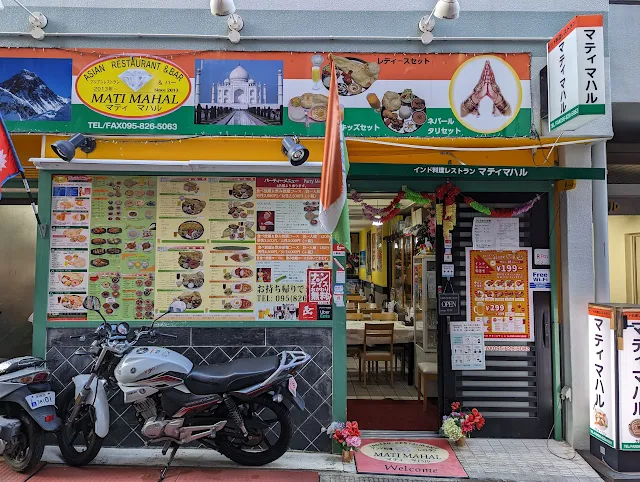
600	226
576	234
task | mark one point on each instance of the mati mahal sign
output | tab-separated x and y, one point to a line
575	62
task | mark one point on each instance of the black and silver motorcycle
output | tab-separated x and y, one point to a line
27	410
236	408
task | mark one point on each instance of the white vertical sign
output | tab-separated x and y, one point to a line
629	383
602	400
576	77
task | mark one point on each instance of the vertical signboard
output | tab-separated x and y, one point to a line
602	404
629	385
575	61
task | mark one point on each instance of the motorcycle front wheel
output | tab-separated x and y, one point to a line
270	431
25	454
78	441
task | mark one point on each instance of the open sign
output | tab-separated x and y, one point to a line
449	304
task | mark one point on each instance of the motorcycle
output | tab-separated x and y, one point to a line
27	410
236	408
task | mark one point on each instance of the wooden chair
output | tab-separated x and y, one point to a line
367	306
427	371
354	298
351	306
382	333
398	351
355	317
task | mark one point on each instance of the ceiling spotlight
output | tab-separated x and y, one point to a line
377	221
37	21
447	9
222	8
66	150
294	151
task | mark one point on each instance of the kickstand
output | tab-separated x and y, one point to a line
174	448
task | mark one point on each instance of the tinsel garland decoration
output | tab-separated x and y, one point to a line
445	211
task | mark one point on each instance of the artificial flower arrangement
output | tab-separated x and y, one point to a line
347	435
460	423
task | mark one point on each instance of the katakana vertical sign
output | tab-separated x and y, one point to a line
629	376
575	62
602	400
319	286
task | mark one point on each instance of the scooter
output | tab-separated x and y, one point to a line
236	408
27	410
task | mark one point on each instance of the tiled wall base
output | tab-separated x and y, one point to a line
218	345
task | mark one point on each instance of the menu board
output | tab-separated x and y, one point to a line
498	293
233	249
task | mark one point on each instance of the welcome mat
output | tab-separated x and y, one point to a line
416	458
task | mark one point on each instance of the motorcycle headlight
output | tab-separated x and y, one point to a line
123	329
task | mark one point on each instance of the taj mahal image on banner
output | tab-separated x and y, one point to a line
239	92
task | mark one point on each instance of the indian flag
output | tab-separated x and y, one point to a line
334	210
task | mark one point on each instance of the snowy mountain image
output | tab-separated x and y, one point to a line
25	95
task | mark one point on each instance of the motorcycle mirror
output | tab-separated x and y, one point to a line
178	306
91	303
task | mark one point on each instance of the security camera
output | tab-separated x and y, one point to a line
294	151
66	150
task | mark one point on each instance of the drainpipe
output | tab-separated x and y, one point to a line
555	327
600	225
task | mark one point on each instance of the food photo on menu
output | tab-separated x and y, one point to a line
266	221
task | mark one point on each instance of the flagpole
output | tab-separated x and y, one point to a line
42	228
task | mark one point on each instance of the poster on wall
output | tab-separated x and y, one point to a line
602	385
265	93
629	382
499	295
233	249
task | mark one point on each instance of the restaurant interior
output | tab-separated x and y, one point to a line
392	323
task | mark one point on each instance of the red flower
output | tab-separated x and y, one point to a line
352	429
455	406
471	418
480	423
467	426
475	411
338	436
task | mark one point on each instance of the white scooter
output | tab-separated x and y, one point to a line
236	408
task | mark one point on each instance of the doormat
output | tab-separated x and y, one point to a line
416	458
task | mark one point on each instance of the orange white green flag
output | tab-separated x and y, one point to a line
334	210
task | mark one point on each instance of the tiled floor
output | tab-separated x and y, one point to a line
380	388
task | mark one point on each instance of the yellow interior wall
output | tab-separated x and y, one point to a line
378	278
618	227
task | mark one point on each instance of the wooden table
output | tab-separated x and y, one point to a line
368	311
402	335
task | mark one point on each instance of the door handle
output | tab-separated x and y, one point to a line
545	330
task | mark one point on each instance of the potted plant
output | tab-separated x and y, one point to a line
347	435
460	423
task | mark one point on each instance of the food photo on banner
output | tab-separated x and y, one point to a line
199	93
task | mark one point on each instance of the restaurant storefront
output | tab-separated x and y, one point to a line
186	195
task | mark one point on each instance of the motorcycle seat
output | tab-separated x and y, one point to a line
20	363
230	376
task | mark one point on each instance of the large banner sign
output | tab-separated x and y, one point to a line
264	93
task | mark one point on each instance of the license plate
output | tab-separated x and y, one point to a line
43	399
293	386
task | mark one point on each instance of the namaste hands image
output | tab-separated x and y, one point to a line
486	87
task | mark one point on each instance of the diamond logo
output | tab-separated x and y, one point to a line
136	79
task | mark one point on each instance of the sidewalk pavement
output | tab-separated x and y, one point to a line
495	460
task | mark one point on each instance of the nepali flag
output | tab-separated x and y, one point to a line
9	164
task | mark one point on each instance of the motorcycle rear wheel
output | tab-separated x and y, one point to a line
84	425
28	450
272	442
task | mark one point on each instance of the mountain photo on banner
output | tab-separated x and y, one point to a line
35	89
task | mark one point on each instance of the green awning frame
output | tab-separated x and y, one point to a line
414	172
